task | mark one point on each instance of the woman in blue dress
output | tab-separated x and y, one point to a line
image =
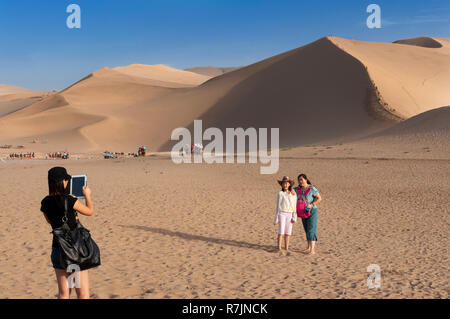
312	197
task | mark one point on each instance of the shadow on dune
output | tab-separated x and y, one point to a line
220	241
298	86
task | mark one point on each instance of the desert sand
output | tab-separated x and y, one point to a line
205	231
367	122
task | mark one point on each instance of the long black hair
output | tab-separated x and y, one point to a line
56	187
304	177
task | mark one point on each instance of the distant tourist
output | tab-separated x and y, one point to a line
307	199
53	208
285	214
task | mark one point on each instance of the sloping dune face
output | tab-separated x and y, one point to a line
425	42
211	71
410	79
427	133
13	98
431	123
87	116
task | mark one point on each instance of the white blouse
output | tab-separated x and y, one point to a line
286	202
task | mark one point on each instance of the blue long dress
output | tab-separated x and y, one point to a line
310	223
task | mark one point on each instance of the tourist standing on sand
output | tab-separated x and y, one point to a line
53	208
308	193
285	214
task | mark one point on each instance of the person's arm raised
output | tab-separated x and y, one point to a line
87	209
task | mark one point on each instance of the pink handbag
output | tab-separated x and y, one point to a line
301	204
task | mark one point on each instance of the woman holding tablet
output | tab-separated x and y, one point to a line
53	208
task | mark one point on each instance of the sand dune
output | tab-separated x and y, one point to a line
13	98
410	79
425	42
332	90
211	71
6	89
432	122
101	97
428	129
163	74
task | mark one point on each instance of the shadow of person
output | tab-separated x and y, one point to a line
186	236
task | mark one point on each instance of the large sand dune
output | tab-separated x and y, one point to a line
425	42
14	98
328	91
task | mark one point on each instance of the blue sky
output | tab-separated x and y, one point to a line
38	51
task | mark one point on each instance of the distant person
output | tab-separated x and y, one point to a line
308	193
53	208
285	214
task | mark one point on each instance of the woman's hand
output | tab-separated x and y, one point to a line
293	192
86	191
309	206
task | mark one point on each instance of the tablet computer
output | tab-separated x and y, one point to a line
76	185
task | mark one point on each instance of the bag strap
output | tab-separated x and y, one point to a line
65	219
307	191
303	196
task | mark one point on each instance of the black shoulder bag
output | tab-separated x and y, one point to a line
76	245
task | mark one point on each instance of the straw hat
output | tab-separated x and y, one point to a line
286	179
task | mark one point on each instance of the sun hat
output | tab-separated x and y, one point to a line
286	179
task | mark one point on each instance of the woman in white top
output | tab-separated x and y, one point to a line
285	214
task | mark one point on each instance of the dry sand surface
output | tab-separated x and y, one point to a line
205	231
